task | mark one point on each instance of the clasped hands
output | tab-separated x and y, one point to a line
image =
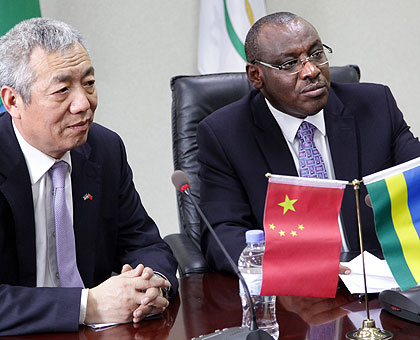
130	296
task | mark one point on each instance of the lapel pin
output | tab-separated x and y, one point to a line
88	197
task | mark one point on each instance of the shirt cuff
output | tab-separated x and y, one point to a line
83	305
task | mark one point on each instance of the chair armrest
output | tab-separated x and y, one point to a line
189	256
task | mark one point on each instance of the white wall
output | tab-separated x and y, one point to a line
138	45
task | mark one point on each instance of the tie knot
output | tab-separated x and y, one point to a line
306	132
58	174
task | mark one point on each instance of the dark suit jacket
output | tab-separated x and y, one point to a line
110	230
241	142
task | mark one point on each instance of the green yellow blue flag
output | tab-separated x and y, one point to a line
395	196
13	12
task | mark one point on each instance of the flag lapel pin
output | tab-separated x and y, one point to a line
88	197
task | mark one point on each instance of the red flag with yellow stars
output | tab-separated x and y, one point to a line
302	237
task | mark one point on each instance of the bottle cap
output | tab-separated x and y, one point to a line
254	236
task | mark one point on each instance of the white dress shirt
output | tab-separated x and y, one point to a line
38	164
289	126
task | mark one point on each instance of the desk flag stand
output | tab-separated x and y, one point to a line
369	330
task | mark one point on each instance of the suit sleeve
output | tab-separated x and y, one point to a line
223	200
404	145
139	240
27	310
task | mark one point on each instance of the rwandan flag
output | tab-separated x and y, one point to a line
395	196
13	12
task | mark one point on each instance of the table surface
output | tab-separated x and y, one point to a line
210	301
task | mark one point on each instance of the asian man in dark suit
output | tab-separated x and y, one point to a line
47	86
357	128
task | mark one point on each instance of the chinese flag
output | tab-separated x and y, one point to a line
302	237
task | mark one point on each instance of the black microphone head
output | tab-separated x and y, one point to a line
179	179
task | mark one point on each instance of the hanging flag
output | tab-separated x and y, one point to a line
13	12
223	27
302	236
395	197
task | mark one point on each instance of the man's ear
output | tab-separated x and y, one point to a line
11	100
255	76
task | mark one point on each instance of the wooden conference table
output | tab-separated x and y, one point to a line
210	301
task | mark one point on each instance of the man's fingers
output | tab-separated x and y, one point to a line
150	295
127	271
344	270
126	268
158	301
147	273
142	311
155	281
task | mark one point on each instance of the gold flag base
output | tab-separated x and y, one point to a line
369	332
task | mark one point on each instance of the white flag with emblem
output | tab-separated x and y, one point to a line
222	32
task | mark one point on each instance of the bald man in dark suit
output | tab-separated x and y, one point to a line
358	128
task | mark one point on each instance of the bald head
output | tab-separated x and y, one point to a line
275	40
252	47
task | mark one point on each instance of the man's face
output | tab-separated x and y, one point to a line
299	95
63	101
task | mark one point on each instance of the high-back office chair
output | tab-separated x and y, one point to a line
193	99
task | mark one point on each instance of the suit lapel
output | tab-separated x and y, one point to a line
342	139
341	132
270	139
15	185
86	180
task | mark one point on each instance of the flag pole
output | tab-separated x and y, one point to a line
356	187
369	330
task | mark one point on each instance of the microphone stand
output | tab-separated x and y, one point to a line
254	325
253	333
369	330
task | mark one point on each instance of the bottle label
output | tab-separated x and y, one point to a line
253	282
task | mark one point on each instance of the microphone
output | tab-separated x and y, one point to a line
181	183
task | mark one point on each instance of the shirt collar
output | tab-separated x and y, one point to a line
289	125
38	162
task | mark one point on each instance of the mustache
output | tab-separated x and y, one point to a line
314	84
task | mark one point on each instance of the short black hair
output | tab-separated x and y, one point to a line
251	41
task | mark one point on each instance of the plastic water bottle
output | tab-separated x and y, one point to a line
250	266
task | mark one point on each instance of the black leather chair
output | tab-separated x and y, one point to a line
194	98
